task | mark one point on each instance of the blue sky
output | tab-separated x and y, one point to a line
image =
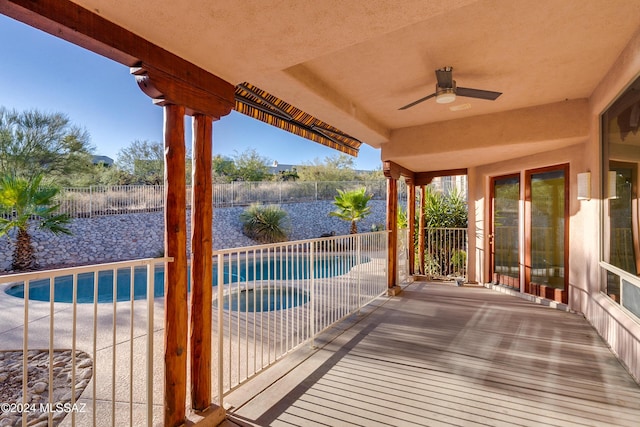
41	71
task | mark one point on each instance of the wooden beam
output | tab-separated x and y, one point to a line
165	89
201	263
411	225
425	178
421	226
175	287
392	227
71	22
395	171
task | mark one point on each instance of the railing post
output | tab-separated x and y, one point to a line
220	285
422	231
357	263
466	257
316	187
150	332
392	227
90	202
233	192
312	294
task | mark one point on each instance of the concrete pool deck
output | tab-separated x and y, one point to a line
39	318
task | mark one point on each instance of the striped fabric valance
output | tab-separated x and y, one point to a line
256	103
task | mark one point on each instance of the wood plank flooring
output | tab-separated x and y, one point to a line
440	355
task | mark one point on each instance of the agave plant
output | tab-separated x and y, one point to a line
352	206
22	203
265	224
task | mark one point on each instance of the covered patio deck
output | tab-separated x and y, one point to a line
444	355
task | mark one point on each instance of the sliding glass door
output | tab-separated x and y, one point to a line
505	223
546	233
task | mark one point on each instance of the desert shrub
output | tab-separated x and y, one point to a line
265	223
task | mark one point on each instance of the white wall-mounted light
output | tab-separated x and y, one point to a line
612	185
584	186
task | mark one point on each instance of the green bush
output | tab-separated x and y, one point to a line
459	261
265	224
445	210
445	254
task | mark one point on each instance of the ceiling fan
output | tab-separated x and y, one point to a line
446	90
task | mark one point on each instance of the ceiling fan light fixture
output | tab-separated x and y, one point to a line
447	91
445	96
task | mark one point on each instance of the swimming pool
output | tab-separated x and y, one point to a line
235	271
261	299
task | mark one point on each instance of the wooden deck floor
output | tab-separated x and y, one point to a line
439	355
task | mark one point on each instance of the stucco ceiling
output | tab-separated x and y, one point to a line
354	63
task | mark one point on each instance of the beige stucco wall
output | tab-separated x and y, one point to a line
619	329
489	138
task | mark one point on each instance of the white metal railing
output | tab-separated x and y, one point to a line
270	299
278	297
88	343
445	252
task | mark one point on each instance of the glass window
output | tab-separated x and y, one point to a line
548	228
621	155
506	262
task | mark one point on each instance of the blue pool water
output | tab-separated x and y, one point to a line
234	272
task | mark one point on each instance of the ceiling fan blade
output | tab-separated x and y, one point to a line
444	76
477	93
417	102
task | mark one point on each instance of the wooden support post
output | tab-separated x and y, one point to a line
411	225
201	262
392	226
421	231
175	287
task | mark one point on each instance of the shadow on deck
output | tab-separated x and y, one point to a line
444	355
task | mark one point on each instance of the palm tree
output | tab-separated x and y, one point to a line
352	206
23	202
